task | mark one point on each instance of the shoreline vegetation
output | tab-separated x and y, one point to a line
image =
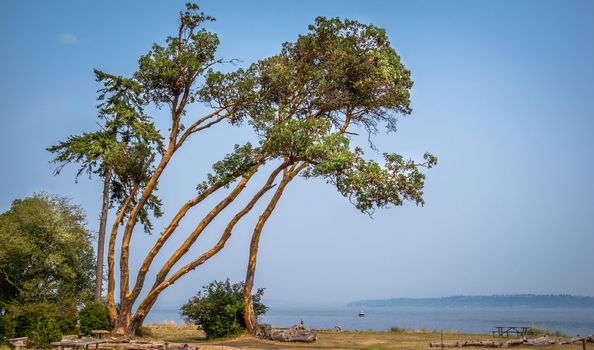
396	338
491	301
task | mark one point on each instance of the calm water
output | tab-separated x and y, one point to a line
465	320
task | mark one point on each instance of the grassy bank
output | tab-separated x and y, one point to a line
398	339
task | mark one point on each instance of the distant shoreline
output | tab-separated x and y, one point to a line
492	301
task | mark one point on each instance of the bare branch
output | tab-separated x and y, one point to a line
194	127
7	279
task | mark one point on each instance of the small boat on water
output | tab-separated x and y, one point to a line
361	313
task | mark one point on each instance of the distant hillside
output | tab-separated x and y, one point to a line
519	300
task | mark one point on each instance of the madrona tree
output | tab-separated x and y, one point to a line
308	101
304	106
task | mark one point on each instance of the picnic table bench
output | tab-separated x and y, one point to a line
79	343
510	331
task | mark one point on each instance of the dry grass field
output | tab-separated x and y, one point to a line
410	340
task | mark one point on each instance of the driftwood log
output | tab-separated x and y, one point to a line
18	342
138	344
297	333
541	341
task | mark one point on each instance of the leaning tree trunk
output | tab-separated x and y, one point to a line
296	333
101	236
251	322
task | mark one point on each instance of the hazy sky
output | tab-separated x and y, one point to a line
503	96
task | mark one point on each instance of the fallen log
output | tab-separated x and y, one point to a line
462	343
144	344
297	333
540	341
515	342
588	338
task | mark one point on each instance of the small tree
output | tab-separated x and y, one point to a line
219	308
45	253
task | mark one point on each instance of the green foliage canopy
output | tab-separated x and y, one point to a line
46	254
123	148
93	316
304	102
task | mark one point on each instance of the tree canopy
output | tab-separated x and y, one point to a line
46	254
124	147
304	101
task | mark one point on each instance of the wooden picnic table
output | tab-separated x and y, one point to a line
99	333
79	343
510	330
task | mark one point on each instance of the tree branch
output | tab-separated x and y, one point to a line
7	278
151	184
194	127
183	249
111	255
173	226
147	303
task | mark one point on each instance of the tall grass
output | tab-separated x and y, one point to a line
539	332
421	330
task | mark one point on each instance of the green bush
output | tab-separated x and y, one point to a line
7	326
26	317
45	331
41	323
93	316
219	308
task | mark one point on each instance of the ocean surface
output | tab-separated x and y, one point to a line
464	320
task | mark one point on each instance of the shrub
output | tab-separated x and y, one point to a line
26	317
143	332
219	308
6	328
397	330
93	316
45	331
41	323
537	332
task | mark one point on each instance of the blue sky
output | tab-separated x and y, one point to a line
503	96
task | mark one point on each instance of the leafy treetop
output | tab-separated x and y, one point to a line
125	146
304	102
